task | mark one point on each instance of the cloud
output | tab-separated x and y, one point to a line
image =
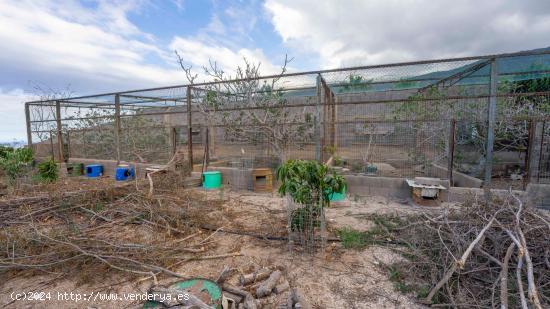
94	50
377	31
13	127
198	54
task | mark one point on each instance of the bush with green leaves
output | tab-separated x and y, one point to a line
14	163
47	170
308	182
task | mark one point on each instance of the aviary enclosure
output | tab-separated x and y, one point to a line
484	117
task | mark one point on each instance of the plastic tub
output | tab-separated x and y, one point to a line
94	170
212	180
124	172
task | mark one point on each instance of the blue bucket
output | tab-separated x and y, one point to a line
94	170
124	172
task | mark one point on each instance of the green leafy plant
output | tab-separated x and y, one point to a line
309	182
14	163
47	170
4	150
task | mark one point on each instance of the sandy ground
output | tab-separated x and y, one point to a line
335	278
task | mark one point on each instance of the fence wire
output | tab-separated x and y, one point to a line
427	118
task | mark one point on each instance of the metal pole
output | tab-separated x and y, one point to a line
117	127
28	120
451	151
317	120
189	129
491	118
174	140
539	167
528	154
59	131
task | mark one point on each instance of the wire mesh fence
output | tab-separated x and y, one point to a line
427	118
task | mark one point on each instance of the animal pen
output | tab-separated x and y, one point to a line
483	117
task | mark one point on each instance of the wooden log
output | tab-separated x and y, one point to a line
267	286
236	298
250	303
235	290
256	276
280	288
224	275
298	300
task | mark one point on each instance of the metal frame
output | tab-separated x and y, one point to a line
327	102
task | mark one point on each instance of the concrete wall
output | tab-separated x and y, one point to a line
459	179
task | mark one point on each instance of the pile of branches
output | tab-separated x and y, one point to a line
117	229
482	255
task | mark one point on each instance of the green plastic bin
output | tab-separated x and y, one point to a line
212	180
338	196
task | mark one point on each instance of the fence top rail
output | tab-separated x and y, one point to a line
378	66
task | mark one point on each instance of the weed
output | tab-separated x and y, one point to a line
352	239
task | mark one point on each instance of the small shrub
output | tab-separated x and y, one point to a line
14	162
47	170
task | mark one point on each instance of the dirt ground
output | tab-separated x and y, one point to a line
334	278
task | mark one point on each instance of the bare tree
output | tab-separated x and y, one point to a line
251	109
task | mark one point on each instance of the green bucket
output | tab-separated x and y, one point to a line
206	290
212	180
338	196
75	169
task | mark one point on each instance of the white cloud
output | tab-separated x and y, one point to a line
109	49
377	31
198	54
13	116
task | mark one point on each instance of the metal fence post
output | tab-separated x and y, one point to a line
59	131
491	118
28	121
317	121
451	154
189	129
117	127
528	150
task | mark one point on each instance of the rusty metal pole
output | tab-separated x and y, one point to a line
528	154
117	127
189	129
451	154
491	119
173	140
317	120
28	121
59	131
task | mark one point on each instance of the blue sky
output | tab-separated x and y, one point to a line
100	45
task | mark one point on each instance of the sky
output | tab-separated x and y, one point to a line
92	46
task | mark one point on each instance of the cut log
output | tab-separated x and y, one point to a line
267	286
298	300
250	302
235	290
256	276
280	288
235	297
225	274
